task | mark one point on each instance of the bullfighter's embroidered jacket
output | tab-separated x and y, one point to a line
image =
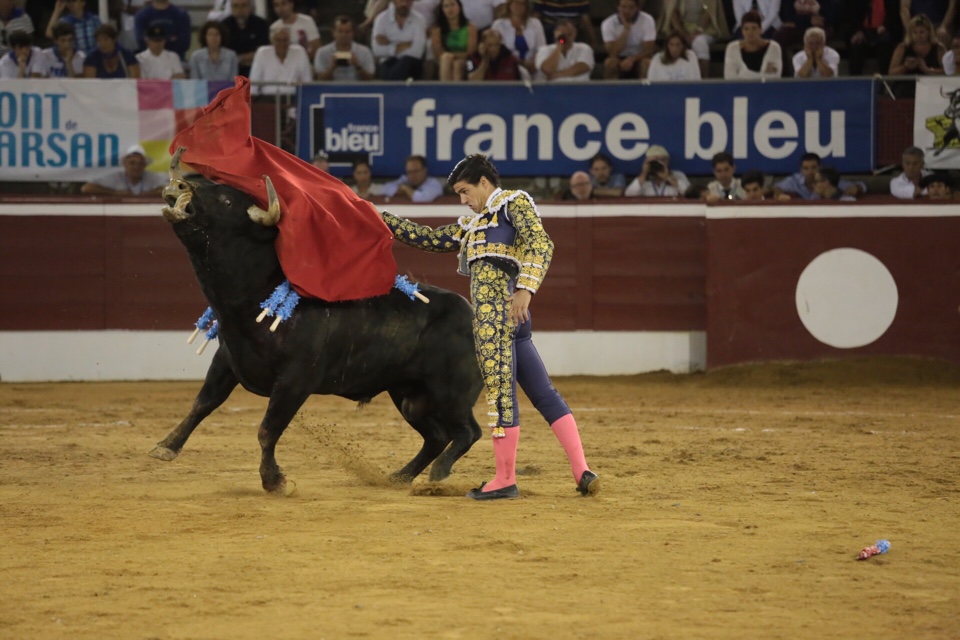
508	229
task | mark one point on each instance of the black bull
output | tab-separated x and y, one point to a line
421	354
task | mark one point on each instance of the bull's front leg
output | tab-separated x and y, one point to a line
283	406
219	383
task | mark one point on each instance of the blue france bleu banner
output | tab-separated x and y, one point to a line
554	129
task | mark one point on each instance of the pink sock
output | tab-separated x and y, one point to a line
566	431
505	453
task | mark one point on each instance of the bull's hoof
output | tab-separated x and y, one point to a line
284	489
400	478
163	453
439	473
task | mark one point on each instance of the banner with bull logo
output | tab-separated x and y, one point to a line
554	129
936	115
78	129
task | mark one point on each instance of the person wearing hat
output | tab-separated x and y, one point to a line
939	185
174	20
133	180
656	179
156	62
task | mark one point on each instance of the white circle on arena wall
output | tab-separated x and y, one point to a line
846	298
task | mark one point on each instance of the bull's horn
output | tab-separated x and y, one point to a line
175	173
271	216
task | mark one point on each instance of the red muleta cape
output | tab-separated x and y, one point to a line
332	244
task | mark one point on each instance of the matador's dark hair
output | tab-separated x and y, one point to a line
472	168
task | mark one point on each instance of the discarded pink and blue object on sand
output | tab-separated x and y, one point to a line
882	546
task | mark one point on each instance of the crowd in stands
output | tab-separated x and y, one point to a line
547	40
531	40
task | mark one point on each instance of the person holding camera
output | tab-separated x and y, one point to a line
344	58
566	60
630	37
656	180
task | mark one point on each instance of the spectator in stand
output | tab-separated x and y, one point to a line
363	184
213	61
110	60
344	59
675	63
797	16
321	161
521	33
581	188
63	60
630	38
482	13
23	60
753	56
816	60
132	180
12	19
826	184
724	186
939	185
174	20
280	62
919	53
399	41
753	185
492	61
935	10
872	27
768	14
85	23
552	12
303	28
700	24
801	184
567	60
247	33
950	57
606	183
656	179
416	185
156	63
453	40
907	185
426	9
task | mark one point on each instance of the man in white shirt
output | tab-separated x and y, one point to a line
399	39
951	56
63	60
280	62
344	59
630	37
816	59
566	60
133	180
23	60
156	63
416	184
302	26
907	185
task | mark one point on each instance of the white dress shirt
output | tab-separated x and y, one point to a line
579	52
267	67
161	67
830	56
901	187
413	31
686	68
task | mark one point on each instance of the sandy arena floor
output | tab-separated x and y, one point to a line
733	505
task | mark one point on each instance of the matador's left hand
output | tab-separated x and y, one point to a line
520	306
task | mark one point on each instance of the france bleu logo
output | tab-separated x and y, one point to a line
349	127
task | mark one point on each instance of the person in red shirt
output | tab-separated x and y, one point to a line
492	61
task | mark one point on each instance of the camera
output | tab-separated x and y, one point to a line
562	40
655	168
342	58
